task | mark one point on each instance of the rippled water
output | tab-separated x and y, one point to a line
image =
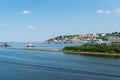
38	65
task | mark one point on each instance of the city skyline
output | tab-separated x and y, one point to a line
39	20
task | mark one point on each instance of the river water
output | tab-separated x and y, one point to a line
39	65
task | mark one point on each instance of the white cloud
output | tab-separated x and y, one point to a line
3	25
117	10
107	12
100	11
26	12
30	27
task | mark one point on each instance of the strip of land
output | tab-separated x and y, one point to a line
78	51
93	54
38	49
102	50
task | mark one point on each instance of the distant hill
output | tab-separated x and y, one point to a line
113	37
71	38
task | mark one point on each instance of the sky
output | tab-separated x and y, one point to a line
39	20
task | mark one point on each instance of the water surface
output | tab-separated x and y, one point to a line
38	65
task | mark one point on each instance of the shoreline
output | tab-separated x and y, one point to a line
38	49
97	54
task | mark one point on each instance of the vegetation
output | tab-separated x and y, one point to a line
99	48
105	37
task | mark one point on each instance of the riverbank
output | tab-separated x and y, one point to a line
101	50
97	54
38	49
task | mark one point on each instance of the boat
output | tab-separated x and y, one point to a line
5	44
30	45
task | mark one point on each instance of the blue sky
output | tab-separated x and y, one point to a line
39	20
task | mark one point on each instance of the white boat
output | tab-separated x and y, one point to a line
30	45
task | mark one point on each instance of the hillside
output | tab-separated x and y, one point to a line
93	37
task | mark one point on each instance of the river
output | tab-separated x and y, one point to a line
39	65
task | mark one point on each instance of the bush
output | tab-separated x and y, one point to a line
103	48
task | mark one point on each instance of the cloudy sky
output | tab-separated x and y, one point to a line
38	20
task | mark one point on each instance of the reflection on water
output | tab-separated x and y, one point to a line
38	65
